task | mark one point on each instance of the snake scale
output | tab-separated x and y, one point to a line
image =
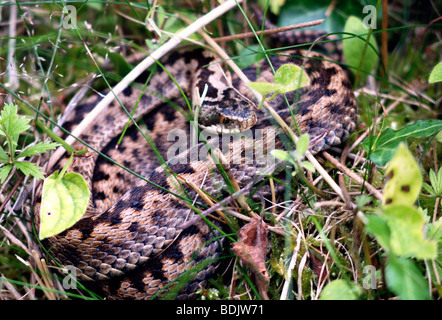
130	241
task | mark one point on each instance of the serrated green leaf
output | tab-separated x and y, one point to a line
341	290
433	178
436	183
291	77
64	201
435	230
439	179
35	149
402	188
3	155
4	171
11	124
353	47
388	141
429	189
436	73
405	280
407	238
29	168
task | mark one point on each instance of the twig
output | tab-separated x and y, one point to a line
241	199
288	278
269	31
140	68
5	202
352	175
204	196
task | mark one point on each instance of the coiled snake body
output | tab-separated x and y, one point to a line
130	239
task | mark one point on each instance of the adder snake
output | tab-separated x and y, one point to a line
130	239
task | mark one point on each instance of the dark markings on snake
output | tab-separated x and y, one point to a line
128	91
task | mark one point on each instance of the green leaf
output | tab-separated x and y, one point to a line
384	147
354	47
407	227
10	123
405	181
35	149
264	88
436	73
405	280
64	201
302	144
438	137
436	183
429	189
3	155
249	55
378	227
275	5
29	168
291	77
307	165
435	230
281	155
288	77
4	171
341	290
300	11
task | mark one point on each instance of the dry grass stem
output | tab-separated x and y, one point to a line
352	175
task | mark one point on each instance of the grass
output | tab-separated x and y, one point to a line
313	239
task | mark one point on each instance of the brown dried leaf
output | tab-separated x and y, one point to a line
251	249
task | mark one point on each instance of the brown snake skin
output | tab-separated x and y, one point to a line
130	241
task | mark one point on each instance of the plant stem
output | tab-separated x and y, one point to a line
66	166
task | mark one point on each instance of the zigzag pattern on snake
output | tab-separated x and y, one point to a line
130	239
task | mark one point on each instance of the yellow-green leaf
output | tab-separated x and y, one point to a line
436	74
405	181
264	88
64	201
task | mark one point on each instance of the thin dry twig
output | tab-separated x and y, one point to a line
269	31
352	175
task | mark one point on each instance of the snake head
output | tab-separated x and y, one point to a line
233	113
